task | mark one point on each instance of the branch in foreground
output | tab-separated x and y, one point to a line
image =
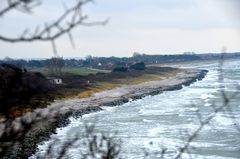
21	5
64	24
225	106
56	29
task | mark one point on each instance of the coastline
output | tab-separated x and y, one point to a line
59	111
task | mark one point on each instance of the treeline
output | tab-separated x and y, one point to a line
110	62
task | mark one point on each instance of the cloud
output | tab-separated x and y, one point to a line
150	26
158	41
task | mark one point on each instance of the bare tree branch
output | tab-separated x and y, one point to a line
60	26
64	24
225	106
197	131
22	5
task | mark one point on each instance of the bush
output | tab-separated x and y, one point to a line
17	87
138	66
120	69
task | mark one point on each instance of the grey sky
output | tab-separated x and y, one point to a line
145	26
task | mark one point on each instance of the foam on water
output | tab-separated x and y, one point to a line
147	121
221	120
207	104
207	96
167	119
109	108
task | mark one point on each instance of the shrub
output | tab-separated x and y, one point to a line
120	69
17	87
138	66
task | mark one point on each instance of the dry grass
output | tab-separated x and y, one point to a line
141	79
18	112
102	86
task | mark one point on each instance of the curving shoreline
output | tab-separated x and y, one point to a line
188	81
62	110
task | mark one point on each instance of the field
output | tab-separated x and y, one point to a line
82	71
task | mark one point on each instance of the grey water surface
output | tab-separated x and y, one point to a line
167	119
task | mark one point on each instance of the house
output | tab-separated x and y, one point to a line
55	80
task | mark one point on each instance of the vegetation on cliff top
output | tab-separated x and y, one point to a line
31	90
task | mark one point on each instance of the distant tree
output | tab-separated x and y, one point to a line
136	54
88	60
120	69
7	59
60	65
55	65
21	63
48	64
35	63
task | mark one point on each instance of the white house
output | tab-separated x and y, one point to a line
55	80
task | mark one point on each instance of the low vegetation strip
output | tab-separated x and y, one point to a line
83	71
102	86
118	88
26	94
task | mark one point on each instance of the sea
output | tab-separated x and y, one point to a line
203	117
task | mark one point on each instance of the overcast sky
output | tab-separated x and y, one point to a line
145	26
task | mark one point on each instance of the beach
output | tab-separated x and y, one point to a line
57	113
